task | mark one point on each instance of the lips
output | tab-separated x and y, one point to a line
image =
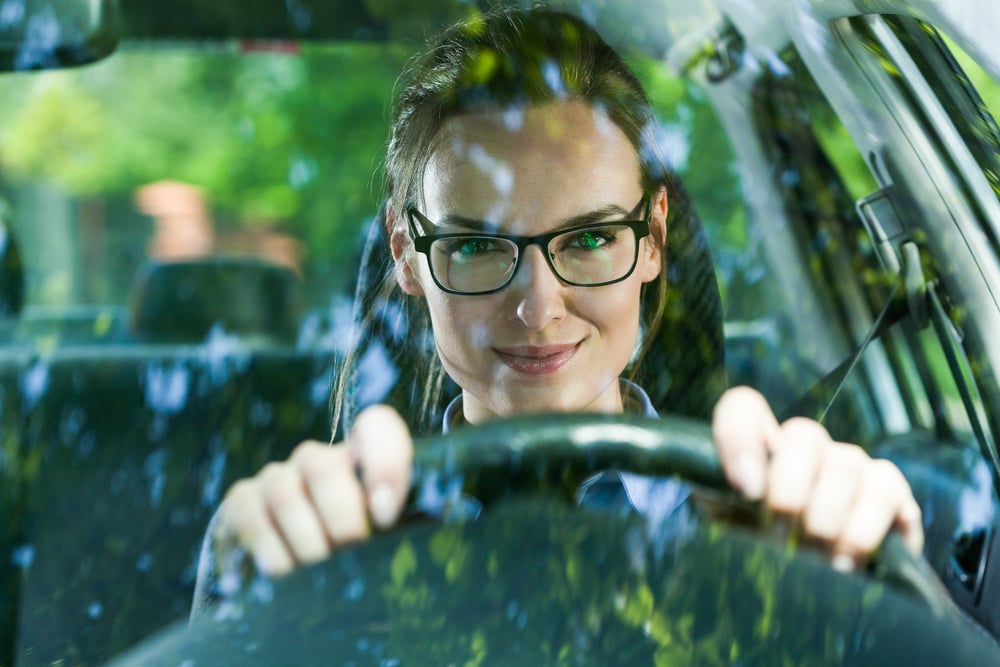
537	359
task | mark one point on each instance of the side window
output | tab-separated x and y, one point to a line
819	175
906	359
919	366
969	99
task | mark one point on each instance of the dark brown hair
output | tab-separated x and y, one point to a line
504	58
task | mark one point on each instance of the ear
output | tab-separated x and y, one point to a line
403	254
653	253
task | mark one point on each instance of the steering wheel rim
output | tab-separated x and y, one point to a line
546	452
556	453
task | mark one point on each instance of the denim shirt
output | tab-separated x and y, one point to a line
656	498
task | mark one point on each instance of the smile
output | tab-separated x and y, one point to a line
537	360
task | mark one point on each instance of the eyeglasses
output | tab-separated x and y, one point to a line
591	255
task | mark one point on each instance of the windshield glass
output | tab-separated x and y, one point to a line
200	235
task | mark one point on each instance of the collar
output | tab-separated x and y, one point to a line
634	399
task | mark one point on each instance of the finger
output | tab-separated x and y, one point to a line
743	427
795	461
245	521
334	489
883	501
833	495
292	512
380	443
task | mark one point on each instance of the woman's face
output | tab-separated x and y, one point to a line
538	344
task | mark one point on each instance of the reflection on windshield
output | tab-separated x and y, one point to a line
191	221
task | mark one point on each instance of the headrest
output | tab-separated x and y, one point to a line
181	302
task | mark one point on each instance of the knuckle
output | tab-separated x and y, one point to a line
247	524
738	400
852	452
378	424
282	489
241	490
846	458
321	463
306	451
887	470
884	476
272	472
742	393
804	429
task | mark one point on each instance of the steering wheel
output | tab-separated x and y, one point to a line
556	453
572	586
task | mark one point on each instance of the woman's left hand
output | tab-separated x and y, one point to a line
838	496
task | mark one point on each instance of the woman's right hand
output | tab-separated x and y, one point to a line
296	512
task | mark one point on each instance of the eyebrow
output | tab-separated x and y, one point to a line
596	215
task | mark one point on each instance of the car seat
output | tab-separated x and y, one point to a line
125	449
181	302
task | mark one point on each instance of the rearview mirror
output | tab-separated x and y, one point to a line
46	34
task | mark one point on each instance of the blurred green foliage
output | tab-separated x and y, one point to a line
291	140
287	141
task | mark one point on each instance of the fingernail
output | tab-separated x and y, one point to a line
749	474
843	563
382	505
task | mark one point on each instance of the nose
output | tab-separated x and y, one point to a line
537	291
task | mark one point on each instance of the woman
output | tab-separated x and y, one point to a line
527	219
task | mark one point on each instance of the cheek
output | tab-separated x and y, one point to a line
617	313
626	296
461	324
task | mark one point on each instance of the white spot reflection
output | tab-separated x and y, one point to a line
23	556
354	590
11	13
499	172
144	562
224	354
553	77
479	334
975	503
602	121
513	118
34	382
678	145
167	388
377	374
42	36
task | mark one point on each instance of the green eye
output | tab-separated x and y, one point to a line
590	240
468	248
472	247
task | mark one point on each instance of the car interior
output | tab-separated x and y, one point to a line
834	242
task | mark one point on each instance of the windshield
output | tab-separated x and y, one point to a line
194	218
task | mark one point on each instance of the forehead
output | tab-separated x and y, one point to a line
562	158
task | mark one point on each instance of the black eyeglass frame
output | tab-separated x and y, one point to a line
422	244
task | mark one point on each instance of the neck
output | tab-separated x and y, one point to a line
475	411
